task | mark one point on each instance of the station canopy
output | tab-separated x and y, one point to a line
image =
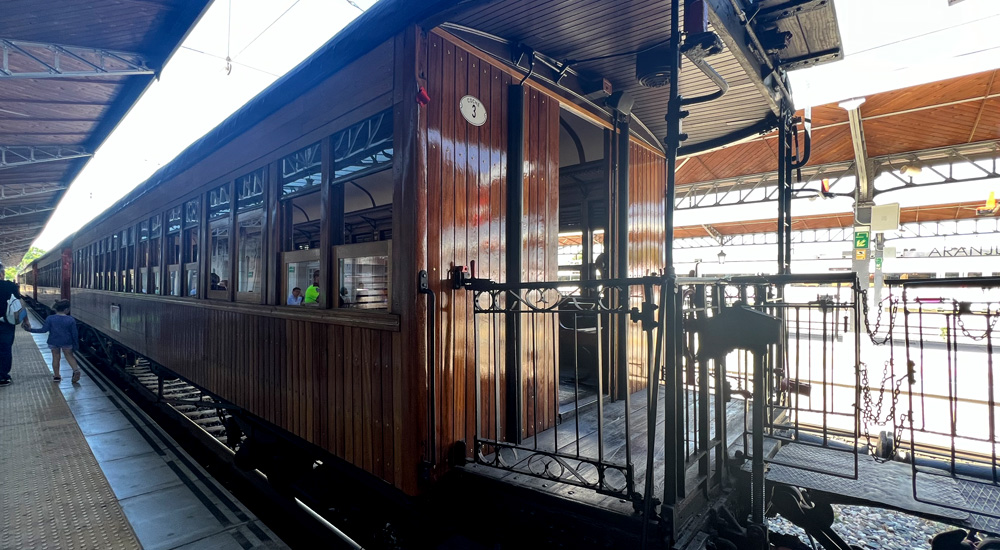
69	73
920	128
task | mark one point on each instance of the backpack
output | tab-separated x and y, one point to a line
15	311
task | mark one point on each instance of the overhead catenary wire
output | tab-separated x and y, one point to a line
233	62
268	27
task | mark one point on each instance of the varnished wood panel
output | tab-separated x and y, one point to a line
331	385
647	186
466	198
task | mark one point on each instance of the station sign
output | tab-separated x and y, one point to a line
862	237
878	263
861	254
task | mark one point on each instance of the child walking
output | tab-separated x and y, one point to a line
63	338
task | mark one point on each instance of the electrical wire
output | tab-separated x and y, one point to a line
266	28
233	62
229	40
614	55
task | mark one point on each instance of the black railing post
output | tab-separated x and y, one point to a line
515	207
621	254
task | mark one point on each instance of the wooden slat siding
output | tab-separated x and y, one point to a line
647	184
466	203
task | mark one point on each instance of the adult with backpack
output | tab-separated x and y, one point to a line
10	295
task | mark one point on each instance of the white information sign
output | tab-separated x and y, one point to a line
473	110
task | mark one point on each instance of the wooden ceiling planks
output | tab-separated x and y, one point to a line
77	111
950	112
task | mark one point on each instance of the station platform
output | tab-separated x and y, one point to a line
83	467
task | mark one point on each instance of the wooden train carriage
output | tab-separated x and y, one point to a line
393	150
49	278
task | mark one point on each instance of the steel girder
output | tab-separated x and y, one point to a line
24	59
20	155
14	211
954	164
21	191
942	228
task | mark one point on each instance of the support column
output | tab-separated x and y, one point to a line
515	209
863	191
878	252
785	190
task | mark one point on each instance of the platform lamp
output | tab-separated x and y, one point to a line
722	256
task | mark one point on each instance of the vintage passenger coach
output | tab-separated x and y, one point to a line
474	199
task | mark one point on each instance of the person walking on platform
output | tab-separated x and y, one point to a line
63	338
8	290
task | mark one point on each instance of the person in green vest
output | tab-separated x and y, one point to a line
312	291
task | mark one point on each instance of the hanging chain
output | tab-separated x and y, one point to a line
872	411
893	309
965	307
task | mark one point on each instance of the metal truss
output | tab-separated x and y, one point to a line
960	163
20	155
947	228
942	228
17	191
23	59
7	230
14	211
15	241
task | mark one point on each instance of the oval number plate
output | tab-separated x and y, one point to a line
473	110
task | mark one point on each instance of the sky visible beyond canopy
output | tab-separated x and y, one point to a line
889	44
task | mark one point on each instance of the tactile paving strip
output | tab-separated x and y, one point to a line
53	494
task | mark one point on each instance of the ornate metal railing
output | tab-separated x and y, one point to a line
558	364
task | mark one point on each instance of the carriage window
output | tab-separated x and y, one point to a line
155	228
361	175
251	190
363	275
130	259
192	214
173	251
250	252
142	259
219	208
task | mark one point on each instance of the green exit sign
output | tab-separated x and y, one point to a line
861	239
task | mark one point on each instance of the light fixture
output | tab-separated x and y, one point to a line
851	104
910	170
722	256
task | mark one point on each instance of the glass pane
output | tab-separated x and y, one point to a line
191	212
250	189
250	250
156	280
143	280
364	282
299	278
192	281
144	231
219	261
363	147
175	282
219	202
155	225
174	220
301	169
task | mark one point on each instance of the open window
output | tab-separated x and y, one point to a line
130	259
142	258
155	259
192	216
301	176
362	181
173	251
219	227
250	236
